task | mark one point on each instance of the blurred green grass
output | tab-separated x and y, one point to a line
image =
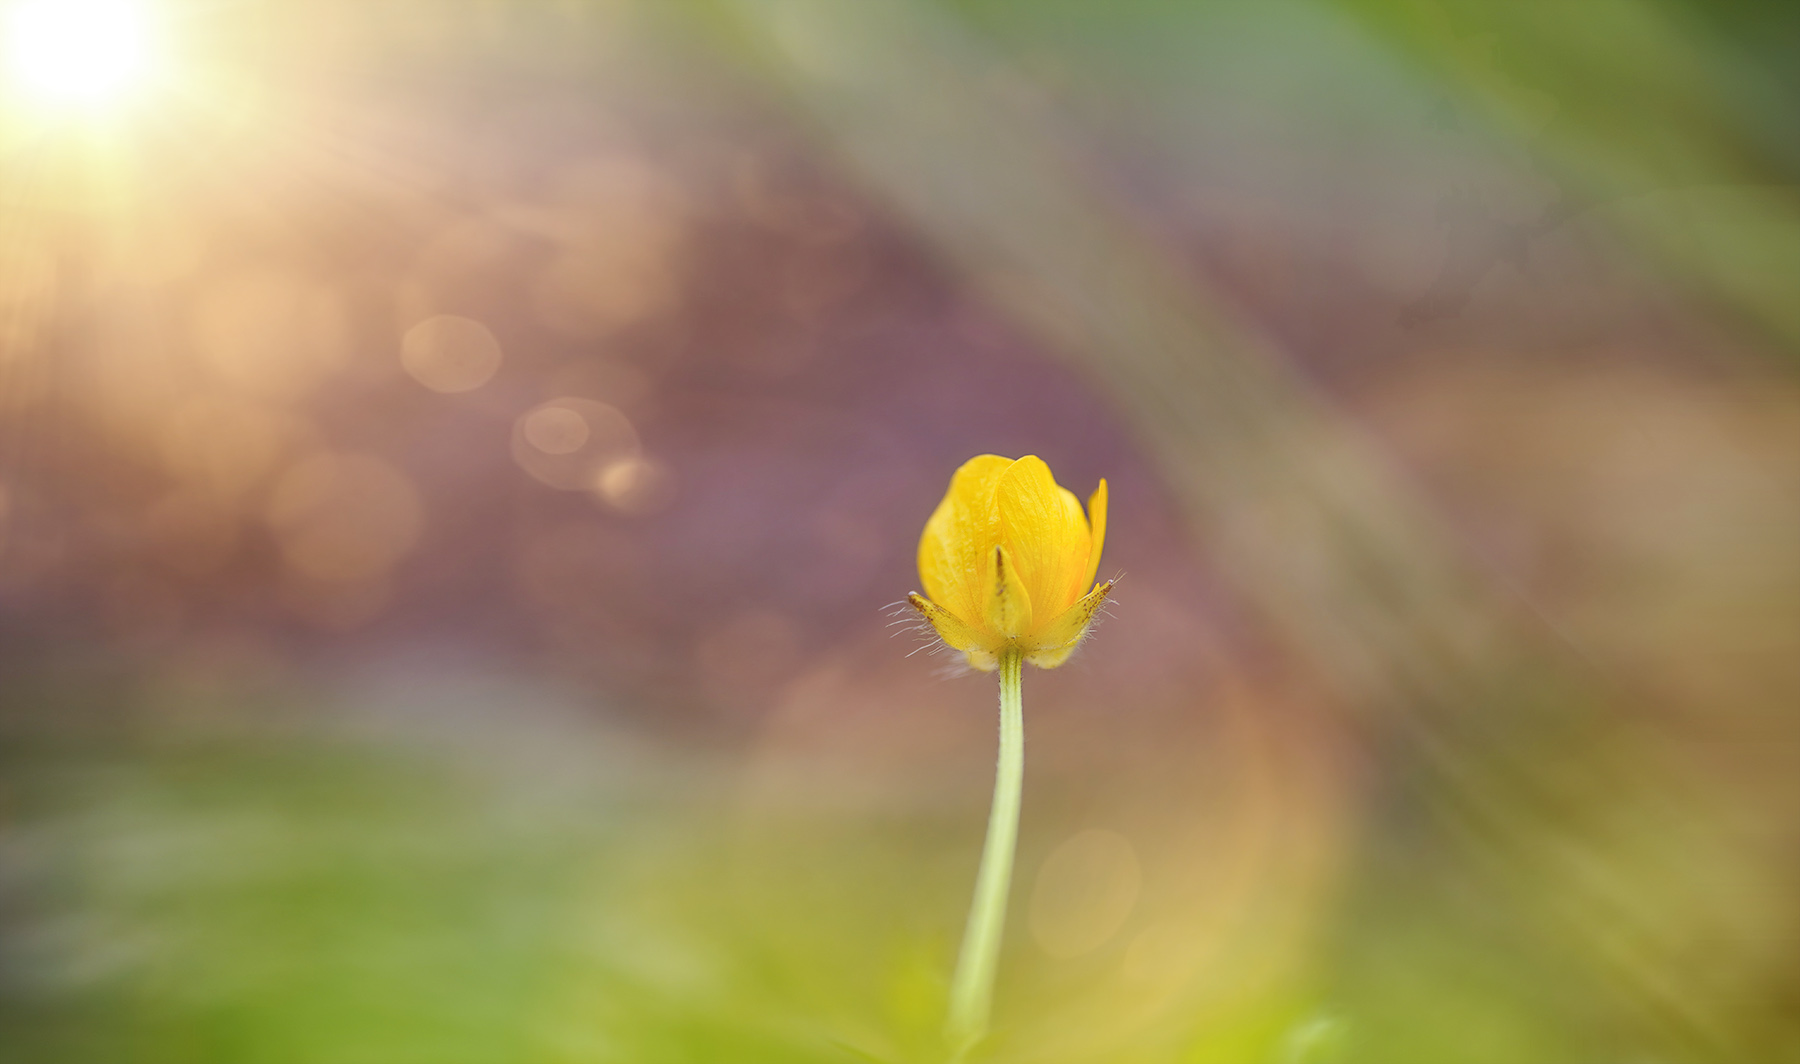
337	884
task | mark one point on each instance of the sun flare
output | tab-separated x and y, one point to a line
80	53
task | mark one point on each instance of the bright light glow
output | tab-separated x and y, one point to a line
82	53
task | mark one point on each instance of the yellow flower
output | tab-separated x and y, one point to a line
1008	559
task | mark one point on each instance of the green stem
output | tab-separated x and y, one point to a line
972	991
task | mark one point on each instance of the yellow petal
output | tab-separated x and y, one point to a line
985	660
1045	533
1050	659
1009	606
956	553
1052	644
949	628
1097	522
